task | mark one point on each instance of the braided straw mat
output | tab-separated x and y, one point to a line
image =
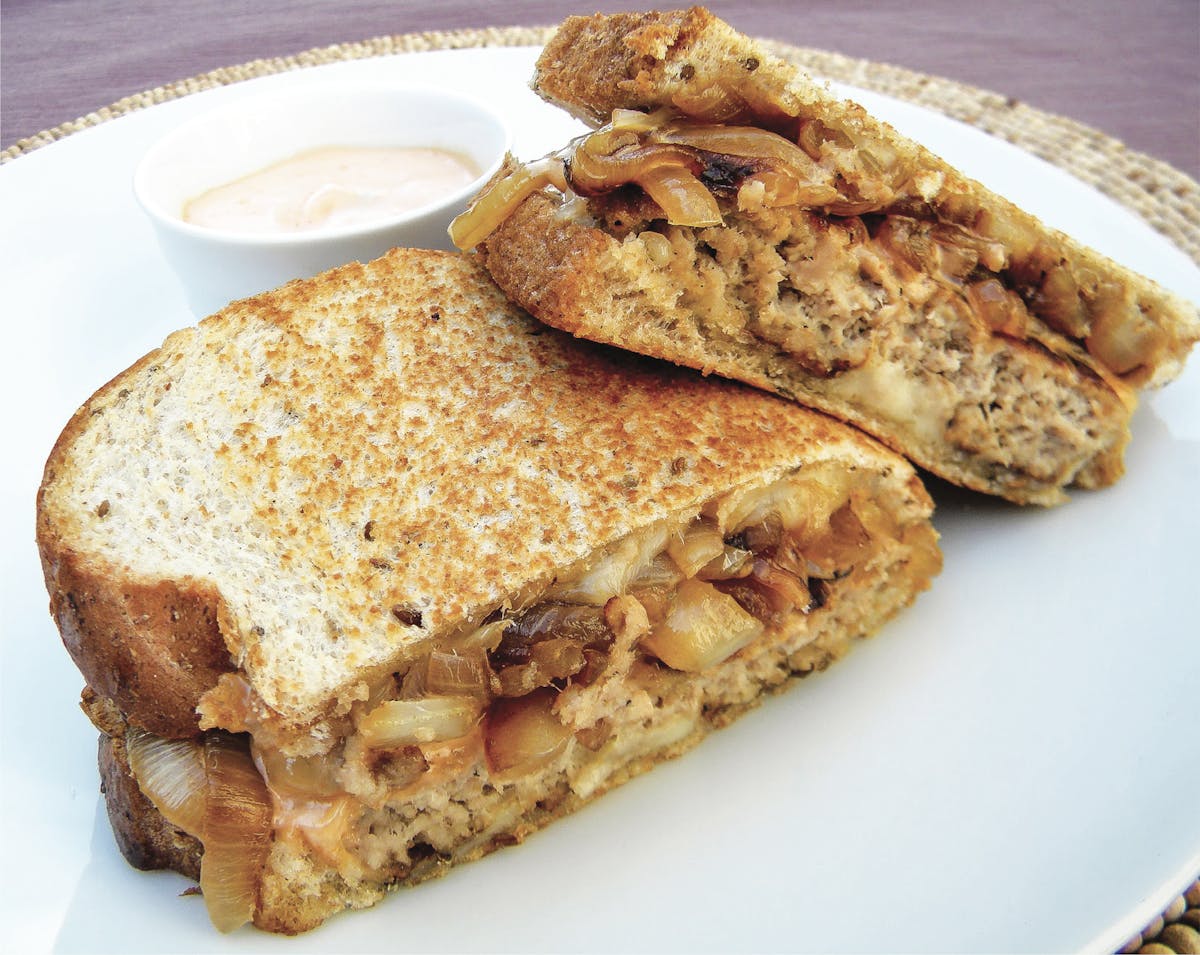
1166	198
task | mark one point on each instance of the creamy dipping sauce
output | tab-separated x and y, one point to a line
332	187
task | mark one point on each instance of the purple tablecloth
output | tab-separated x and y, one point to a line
1130	70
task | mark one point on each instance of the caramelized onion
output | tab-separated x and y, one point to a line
697	545
667	174
486	637
611	574
660	572
702	628
749	142
657	246
583	625
874	520
786	590
853	207
682	197
654	585
774	188
814	134
835	551
545	644
454	674
711	102
425	720
497	203
1123	343
524	734
1000	310
668	160
1007	229
171	774
946	252
457	674
987	252
820	494
1058	302
755	598
799	503
212	791
559	658
895	236
762	536
655	600
237	831
324	824
671	160
549	660
591	171
636	121
730	563
305	776
623	129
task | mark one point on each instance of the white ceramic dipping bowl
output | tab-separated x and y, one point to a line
218	266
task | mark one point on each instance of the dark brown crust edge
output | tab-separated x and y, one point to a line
152	647
575	76
145	838
595	64
559	249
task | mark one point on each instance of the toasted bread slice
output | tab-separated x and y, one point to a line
743	221
378	543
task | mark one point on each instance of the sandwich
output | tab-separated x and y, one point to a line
729	214
373	574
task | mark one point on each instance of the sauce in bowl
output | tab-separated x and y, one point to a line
332	187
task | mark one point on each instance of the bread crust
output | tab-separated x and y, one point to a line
554	455
577	266
144	837
565	271
644	61
556	449
153	648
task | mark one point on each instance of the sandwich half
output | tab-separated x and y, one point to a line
731	215
373	574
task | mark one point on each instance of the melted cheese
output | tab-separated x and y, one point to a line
914	405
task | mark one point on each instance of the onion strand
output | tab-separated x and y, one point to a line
681	196
670	158
237	831
170	772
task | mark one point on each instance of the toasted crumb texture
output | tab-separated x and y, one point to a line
318	474
336	480
991	413
635	715
990	349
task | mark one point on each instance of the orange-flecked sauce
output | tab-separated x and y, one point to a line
332	187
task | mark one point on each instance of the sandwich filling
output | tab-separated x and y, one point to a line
860	288
697	173
547	702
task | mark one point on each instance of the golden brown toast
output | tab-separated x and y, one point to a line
374	574
737	218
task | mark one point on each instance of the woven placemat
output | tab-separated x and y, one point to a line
1166	198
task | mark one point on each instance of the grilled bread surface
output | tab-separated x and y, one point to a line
268	525
990	349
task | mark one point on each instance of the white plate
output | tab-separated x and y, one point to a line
1014	764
